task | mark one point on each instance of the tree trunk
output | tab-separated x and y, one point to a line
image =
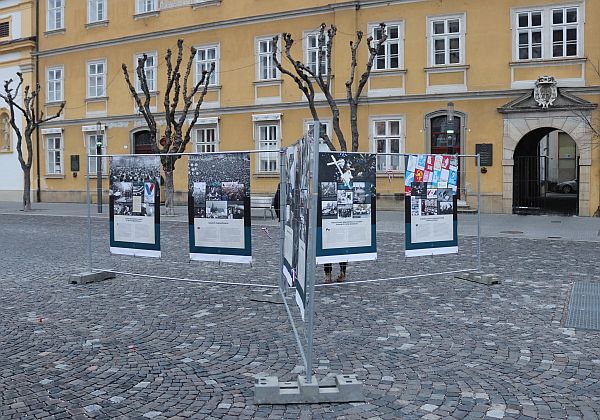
169	192
354	126
26	189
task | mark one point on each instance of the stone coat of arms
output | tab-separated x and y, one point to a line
545	91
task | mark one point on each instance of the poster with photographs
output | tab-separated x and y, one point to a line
346	219
135	205
297	161
431	183
219	207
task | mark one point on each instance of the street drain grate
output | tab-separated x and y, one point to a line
584	306
512	232
554	237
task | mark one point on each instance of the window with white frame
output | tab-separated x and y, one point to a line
96	11
54	154
447	43
206	138
145	6
55	15
325	128
96	79
390	53
149	70
387	142
266	66
205	57
312	53
268	138
92	145
550	32
54	80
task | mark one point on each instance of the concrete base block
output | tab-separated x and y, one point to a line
341	388
487	279
90	277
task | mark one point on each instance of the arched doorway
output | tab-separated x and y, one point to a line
447	138
545	173
142	142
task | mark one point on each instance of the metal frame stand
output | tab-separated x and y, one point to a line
306	389
91	276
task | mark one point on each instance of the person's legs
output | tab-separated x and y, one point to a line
342	275
327	268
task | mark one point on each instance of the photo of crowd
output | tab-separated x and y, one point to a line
133	186
219	185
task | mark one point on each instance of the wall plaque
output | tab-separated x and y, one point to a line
485	151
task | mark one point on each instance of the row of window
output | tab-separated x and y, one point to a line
541	33
97	11
387	140
97	74
548	33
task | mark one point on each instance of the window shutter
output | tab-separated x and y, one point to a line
4	29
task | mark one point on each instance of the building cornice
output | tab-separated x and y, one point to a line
14	45
351	4
277	107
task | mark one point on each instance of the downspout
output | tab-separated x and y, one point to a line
38	192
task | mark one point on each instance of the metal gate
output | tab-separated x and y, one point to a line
533	193
530	186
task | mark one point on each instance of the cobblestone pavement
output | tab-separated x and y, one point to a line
433	347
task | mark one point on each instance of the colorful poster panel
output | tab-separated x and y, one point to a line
346	220
220	227
430	205
135	205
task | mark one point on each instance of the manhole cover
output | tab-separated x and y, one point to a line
511	232
584	306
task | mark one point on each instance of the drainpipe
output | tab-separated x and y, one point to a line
38	192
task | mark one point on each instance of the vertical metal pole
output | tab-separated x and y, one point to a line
99	170
89	209
282	209
478	212
312	252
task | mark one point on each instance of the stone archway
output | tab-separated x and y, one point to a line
517	125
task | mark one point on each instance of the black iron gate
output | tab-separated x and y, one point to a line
533	193
530	186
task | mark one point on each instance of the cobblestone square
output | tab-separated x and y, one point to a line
428	347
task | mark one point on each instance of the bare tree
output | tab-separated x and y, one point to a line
174	139
32	122
321	73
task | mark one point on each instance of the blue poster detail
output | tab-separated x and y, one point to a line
430	200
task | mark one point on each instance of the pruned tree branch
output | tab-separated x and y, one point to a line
322	75
351	97
174	140
32	122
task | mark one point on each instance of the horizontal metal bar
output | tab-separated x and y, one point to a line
126	273
188	153
269	151
344	283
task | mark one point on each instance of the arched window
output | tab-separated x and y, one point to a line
5	132
445	139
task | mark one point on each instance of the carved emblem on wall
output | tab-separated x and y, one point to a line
545	91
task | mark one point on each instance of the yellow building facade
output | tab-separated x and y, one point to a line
482	57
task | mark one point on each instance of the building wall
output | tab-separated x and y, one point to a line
15	56
488	78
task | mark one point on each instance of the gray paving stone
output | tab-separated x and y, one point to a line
461	349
